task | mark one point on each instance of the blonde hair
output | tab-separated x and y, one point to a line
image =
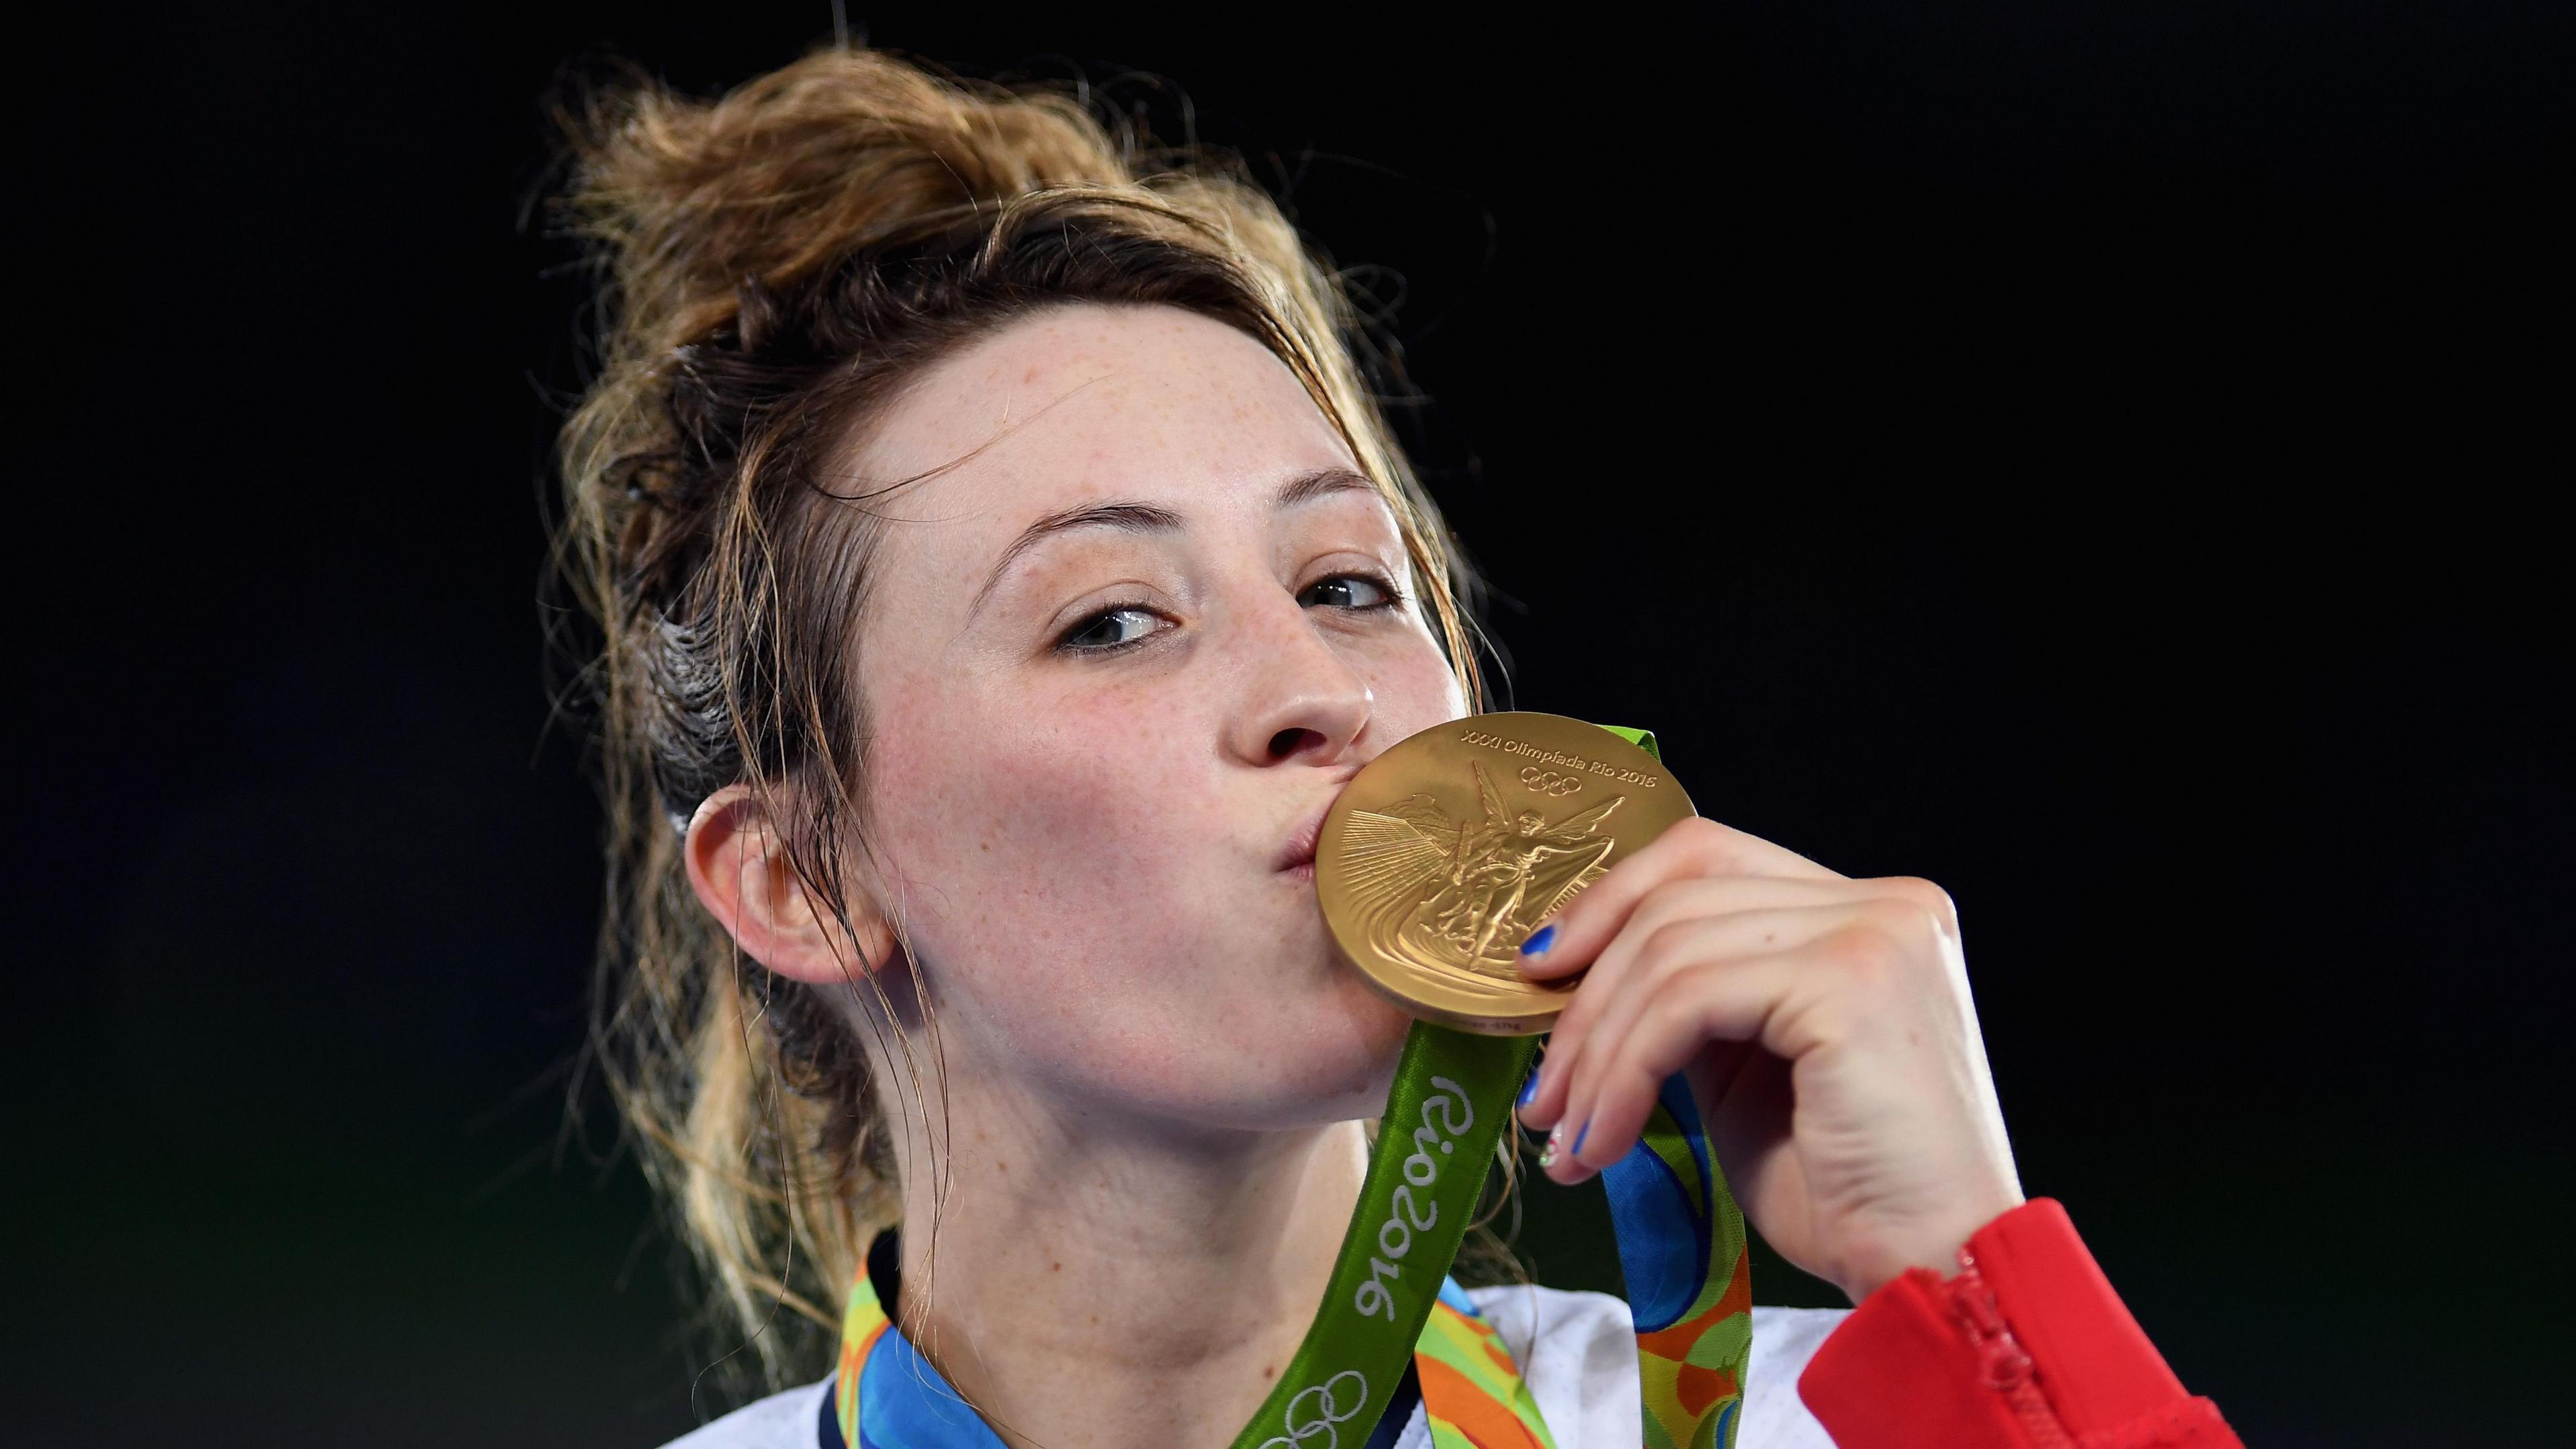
769	266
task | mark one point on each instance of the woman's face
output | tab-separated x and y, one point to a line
1116	662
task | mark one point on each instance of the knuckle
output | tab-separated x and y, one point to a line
1866	952
1583	1090
1930	897
1566	1037
1665	904
1705	842
1666	950
1638	1083
1902	922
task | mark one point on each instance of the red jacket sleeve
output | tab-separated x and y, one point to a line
2027	1348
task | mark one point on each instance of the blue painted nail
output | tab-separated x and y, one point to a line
1529	1089
1580	1133
1540	940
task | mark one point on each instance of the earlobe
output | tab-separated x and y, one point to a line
737	864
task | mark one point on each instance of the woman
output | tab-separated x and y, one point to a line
1002	566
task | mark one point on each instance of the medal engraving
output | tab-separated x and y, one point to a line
1438	860
1496	876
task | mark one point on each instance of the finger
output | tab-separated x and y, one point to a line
1655	939
1725	1000
1699	897
1677	901
1666	904
1599	1019
1693	847
1855	955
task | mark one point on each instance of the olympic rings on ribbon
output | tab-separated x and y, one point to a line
1321	1415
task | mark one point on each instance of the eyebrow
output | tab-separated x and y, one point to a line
1143	518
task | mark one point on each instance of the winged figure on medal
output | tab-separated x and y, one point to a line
1453	895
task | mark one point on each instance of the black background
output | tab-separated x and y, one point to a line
2095	456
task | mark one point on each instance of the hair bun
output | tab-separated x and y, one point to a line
694	203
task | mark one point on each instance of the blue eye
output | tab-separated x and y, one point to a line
1356	592
1111	629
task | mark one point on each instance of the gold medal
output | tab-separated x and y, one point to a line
1442	856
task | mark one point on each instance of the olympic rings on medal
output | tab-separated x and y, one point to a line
1325	1411
1549	782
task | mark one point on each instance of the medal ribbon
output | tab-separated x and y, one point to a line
1680	1236
1681	1248
1452	1096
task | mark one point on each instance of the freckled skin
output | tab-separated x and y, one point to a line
1139	1005
1150	1059
1085	850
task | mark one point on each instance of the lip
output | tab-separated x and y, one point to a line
1296	858
1299	853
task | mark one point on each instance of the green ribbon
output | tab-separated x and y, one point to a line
1452	1099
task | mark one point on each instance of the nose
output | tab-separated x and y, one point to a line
1305	703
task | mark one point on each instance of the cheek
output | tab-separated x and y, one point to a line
1042	841
1079	871
1413	689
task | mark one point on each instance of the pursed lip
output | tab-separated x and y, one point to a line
1299	853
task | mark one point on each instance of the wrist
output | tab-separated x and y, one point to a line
1934	1242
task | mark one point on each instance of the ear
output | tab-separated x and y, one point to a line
737	864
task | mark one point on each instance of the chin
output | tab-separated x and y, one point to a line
1368	1037
1328	1057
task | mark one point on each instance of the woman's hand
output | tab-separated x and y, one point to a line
1828	1031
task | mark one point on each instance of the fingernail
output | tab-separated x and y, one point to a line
1547	1154
1580	1133
1540	940
1529	1089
